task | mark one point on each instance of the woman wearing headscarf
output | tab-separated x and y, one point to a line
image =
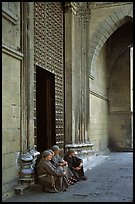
52	179
61	163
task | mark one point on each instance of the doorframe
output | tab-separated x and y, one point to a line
131	93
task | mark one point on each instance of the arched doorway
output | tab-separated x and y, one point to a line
119	93
99	41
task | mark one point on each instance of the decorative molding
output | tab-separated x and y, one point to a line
92	77
99	95
9	15
74	145
96	5
81	148
70	7
79	9
12	52
129	18
119	112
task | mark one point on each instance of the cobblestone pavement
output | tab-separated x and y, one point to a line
109	181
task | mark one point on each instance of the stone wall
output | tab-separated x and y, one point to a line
11	69
119	107
105	20
17	89
118	63
88	78
119	88
98	128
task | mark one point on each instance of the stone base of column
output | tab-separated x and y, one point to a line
87	154
81	148
84	151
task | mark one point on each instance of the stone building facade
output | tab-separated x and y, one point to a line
65	79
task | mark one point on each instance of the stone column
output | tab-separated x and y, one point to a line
27	77
68	75
77	17
30	72
84	18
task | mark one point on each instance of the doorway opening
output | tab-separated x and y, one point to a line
131	93
45	109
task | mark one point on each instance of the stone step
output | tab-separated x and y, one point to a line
24	183
27	180
92	161
19	189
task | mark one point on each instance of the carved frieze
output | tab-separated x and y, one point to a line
79	9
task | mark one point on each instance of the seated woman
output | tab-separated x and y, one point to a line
50	177
75	164
59	162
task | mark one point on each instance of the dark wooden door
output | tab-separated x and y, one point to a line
45	108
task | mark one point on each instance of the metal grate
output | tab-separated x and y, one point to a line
48	54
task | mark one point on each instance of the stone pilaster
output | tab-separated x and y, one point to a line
27	78
77	17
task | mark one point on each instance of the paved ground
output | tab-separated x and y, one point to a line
108	181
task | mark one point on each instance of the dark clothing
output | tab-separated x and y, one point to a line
75	162
52	178
57	160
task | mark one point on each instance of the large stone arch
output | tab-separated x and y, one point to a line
115	20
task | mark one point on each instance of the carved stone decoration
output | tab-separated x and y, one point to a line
48	45
80	9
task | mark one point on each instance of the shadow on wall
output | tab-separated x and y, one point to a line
115	147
